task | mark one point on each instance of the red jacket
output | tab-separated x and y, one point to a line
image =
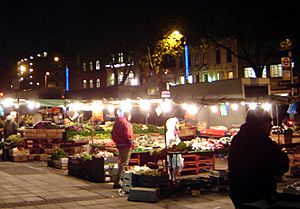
122	133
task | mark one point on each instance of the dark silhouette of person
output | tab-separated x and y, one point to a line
10	126
255	161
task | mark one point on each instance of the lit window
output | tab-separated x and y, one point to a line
84	85
249	73
131	75
121	58
131	79
112	79
91	84
205	77
182	79
190	79
276	71
121	75
97	65
98	83
84	66
230	75
91	66
218	76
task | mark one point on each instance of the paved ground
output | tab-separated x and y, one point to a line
34	185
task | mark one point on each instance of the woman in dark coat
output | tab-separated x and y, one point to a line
255	160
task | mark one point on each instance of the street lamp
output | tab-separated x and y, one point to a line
177	35
46	79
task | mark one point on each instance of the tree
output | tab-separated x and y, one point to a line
170	45
255	25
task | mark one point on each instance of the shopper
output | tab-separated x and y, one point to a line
122	135
10	126
255	161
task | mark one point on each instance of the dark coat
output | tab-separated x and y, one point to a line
254	162
10	128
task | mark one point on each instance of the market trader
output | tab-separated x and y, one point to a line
254	161
122	135
10	126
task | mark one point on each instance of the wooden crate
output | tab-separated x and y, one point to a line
24	158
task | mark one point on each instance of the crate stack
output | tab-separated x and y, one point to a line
96	170
197	163
295	162
42	142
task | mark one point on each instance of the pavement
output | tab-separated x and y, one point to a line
28	185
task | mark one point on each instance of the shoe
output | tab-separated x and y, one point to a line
117	186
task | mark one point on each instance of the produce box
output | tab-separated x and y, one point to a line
41	136
18	152
24	158
144	194
150	181
61	163
41	131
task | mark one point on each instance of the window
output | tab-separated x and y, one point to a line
121	58
197	59
132	80
84	66
205	60
84	85
228	55
205	77
121	75
230	75
197	78
275	71
181	62
91	84
218	56
91	65
218	76
112	79
98	83
182	80
190	79
97	65
249	73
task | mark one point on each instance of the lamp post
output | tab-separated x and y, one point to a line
178	36
46	79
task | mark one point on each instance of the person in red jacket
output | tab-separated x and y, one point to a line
122	135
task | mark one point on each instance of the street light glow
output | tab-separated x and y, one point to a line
56	59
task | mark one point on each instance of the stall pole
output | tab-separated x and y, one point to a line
277	121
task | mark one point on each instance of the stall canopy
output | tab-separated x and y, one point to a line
51	102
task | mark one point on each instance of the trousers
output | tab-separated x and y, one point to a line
124	157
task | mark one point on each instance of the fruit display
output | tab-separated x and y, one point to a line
144	170
150	141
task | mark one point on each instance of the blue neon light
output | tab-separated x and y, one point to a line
187	67
67	79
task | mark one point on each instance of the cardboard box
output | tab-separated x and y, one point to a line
19	158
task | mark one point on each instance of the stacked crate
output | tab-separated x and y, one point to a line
197	163
42	142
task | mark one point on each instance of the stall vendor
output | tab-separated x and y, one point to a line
172	137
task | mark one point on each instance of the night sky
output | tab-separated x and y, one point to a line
71	27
